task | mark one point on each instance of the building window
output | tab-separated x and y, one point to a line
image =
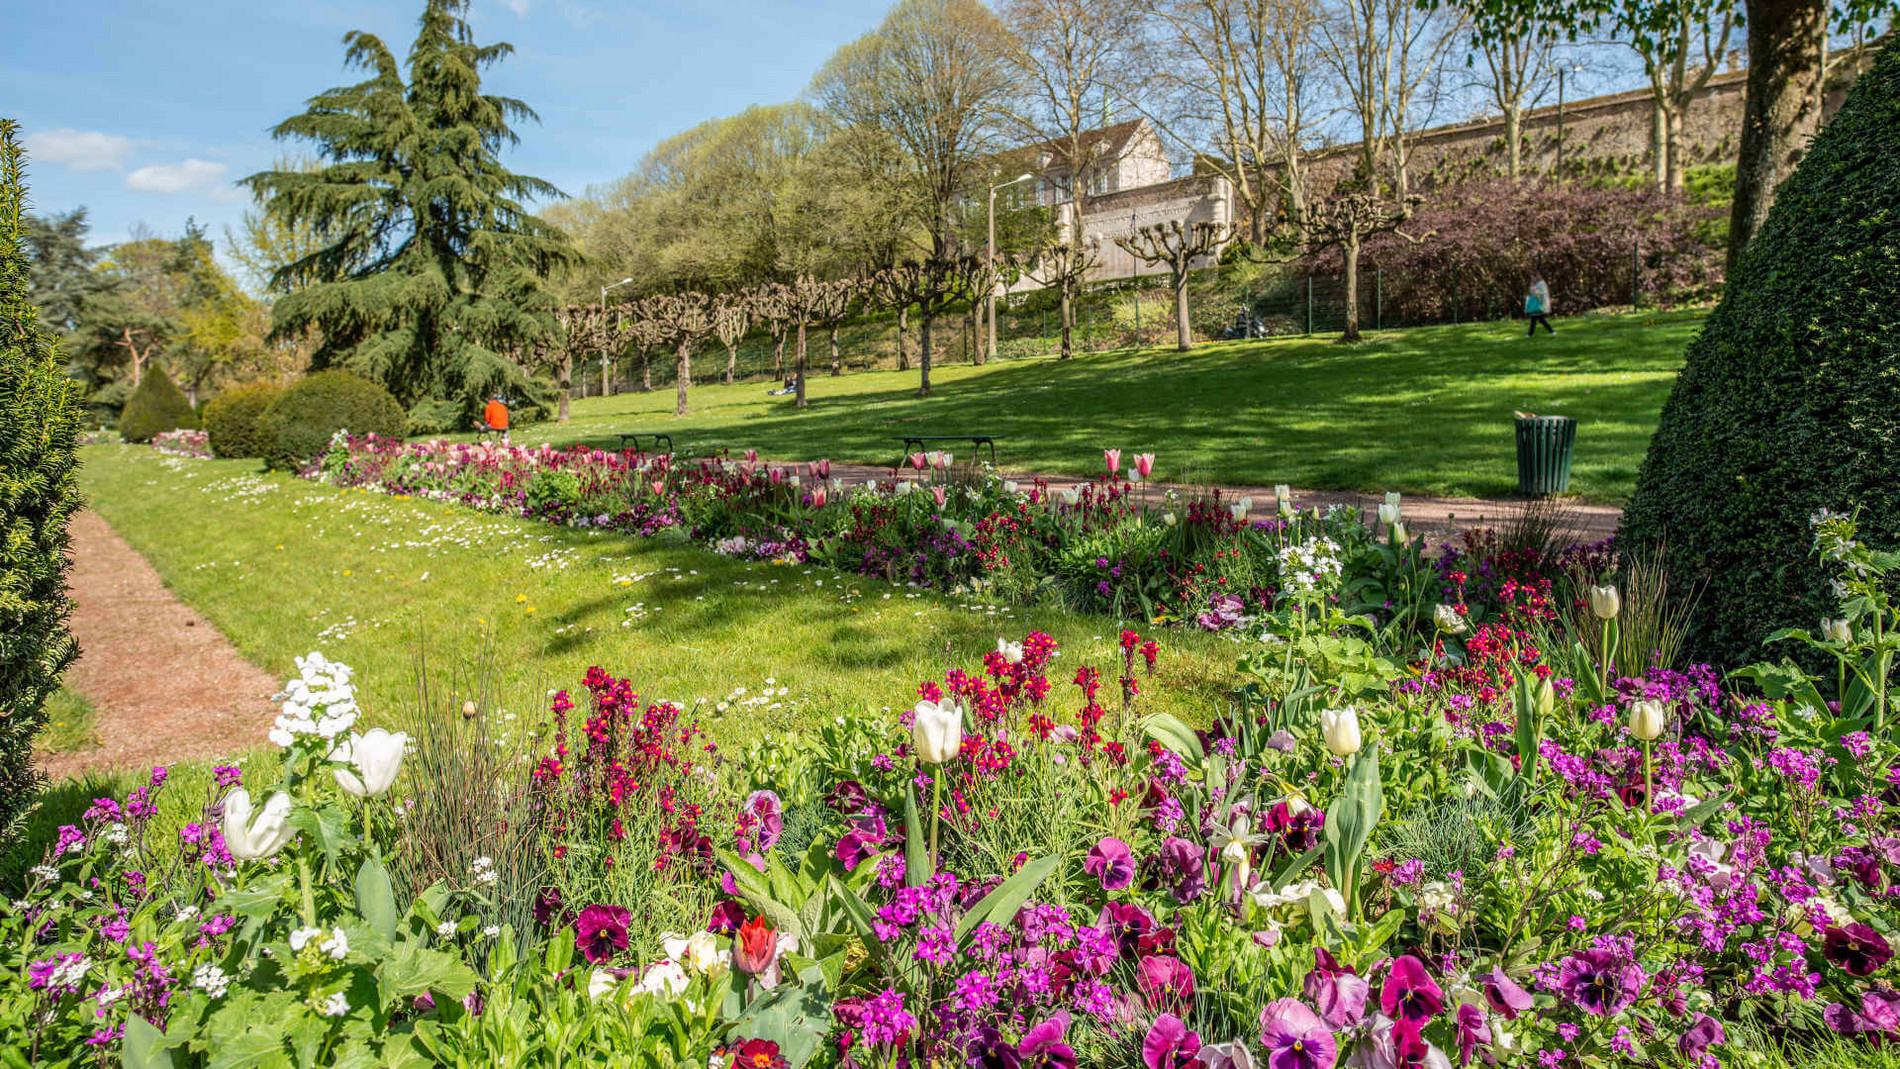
1099	181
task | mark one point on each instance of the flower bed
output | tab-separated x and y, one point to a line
1514	855
183	443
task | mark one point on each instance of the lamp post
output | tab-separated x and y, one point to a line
992	253
606	385
1563	67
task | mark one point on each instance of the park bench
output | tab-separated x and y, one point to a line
484	430
635	436
977	441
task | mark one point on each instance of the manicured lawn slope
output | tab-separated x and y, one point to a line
284	567
1425	410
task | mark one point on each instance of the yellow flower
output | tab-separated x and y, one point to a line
530	608
519	598
346	571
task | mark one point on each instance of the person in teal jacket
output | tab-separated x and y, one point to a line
1537	306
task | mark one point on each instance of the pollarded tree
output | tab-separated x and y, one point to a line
683	319
584	329
644	321
1065	264
1344	221
933	285
432	265
772	306
1178	246
732	316
839	302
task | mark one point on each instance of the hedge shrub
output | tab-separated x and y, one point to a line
1789	400
234	419
300	423
156	406
39	438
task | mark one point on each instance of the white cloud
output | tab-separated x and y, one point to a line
80	150
519	7
191	174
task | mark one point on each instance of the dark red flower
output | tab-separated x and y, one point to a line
1858	948
600	932
726	918
756	1054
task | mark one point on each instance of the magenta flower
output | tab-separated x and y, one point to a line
1043	1045
1879	1015
726	918
600	932
1858	948
1186	864
1113	458
1111	862
769	814
1600	982
1169	1044
1144	464
1473	1032
1167	983
1339	992
1706	1032
1295	1037
1503	994
1409	993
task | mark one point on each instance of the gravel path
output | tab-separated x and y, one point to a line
167	686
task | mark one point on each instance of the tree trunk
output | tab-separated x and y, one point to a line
1184	334
1514	142
778	357
682	377
606	378
732	362
646	371
1068	317
1672	140
923	352
903	339
980	325
799	356
1349	251
1659	144
1781	110
837	365
567	386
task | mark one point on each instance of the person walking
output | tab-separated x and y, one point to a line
1537	306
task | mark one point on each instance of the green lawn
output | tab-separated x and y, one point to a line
284	567
1426	410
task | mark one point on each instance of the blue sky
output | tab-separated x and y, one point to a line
148	112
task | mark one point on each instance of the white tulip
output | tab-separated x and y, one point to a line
599	982
1647	719
1400	534
1388	514
1012	651
1283	498
1392	501
1450	620
1168	520
937	730
1837	630
698	952
1340	727
662	977
254	839
1606	601
374	759
1234	855
1009	487
1070	497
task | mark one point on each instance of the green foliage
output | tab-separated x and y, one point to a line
234	419
428	285
298	425
156	406
39	461
1802	344
436	417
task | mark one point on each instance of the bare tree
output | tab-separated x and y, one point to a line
1345	221
1233	80
1065	263
732	315
1178	247
681	319
584	330
1517	73
934	77
933	285
772	306
1389	57
837	301
1682	46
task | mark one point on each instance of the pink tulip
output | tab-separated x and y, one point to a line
1144	464
938	493
1114	459
823	469
818	498
777	475
659	488
917	461
752	455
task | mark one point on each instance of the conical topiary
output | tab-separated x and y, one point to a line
156	406
1789	400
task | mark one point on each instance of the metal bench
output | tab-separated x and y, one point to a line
977	442
484	430
635	436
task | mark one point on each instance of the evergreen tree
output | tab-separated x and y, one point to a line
61	278
429	266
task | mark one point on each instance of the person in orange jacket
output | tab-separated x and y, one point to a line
495	417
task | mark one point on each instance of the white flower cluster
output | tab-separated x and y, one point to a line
335	944
210	979
337	1005
482	870
319	701
68	973
1313	566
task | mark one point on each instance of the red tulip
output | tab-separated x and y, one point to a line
755	947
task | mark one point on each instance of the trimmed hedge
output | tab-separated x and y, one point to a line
157	405
1790	398
299	424
234	420
39	491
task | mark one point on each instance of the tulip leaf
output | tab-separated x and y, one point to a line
1349	822
144	1046
859	914
1169	731
1000	905
376	899
758	894
916	850
1296	865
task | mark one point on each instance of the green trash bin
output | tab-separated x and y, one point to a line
1544	445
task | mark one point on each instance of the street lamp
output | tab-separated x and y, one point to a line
606	385
1563	67
992	253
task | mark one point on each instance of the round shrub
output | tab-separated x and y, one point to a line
299	424
156	406
234	419
1789	400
